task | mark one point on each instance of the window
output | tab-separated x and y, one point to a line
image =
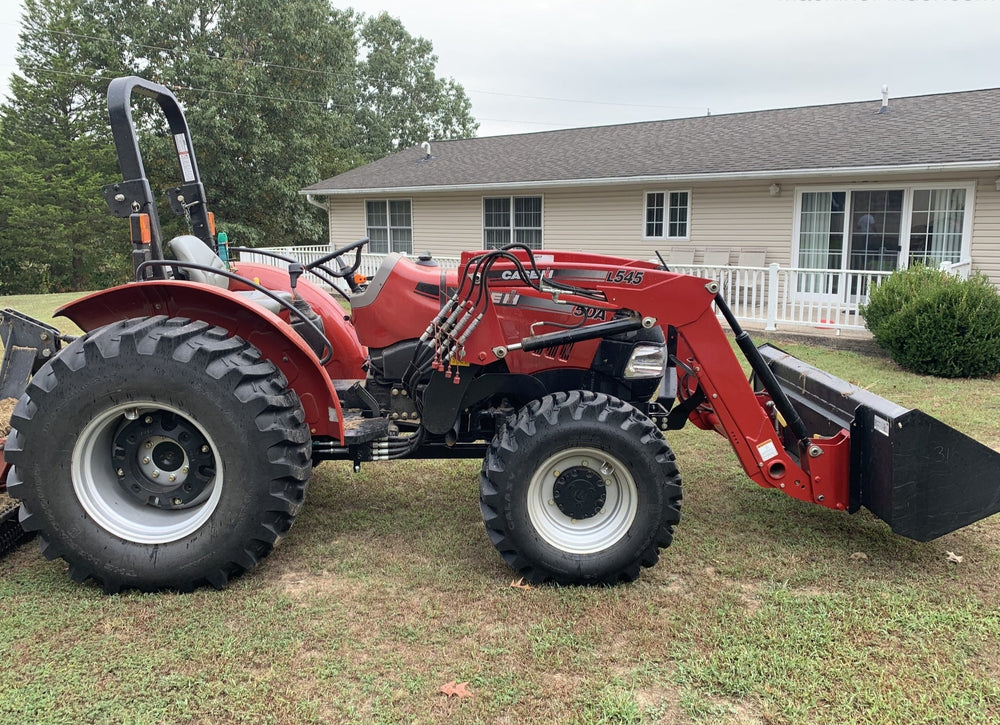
390	227
667	214
512	219
877	230
936	225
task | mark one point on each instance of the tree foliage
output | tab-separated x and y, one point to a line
278	96
55	153
401	102
262	83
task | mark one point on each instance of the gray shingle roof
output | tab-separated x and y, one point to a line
950	128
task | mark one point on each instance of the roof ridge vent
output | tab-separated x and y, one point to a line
885	100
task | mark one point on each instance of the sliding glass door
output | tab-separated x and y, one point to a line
875	229
843	233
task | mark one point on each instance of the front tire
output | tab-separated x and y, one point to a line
580	488
159	453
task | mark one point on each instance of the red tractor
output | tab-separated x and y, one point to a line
171	445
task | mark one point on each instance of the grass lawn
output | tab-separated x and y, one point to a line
764	610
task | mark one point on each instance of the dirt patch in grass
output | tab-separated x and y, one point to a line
6	409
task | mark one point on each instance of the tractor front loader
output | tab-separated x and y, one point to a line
171	445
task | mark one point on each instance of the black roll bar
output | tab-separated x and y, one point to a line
133	194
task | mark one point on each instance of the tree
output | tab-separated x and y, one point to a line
263	88
275	96
401	101
55	154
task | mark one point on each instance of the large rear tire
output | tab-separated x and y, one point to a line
159	453
580	488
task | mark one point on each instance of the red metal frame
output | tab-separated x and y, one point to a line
731	408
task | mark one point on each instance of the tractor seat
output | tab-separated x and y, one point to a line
189	248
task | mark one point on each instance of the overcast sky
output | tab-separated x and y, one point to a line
536	65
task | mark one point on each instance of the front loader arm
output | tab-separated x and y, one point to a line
816	470
804	432
639	293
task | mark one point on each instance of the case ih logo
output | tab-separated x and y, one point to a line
509	274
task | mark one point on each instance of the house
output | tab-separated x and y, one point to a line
871	185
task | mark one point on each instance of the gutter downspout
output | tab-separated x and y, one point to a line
329	227
312	200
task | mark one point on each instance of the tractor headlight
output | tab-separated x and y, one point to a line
646	361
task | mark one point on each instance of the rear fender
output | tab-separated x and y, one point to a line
269	333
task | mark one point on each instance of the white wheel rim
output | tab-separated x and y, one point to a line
587	535
95	482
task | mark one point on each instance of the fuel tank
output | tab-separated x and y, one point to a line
401	299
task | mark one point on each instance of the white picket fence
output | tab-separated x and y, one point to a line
772	297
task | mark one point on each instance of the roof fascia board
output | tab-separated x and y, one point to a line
836	172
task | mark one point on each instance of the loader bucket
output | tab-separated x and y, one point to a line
922	477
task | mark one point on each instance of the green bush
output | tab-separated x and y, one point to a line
896	291
933	323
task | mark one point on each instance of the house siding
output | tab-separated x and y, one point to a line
733	216
986	229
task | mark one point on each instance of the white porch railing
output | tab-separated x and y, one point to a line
369	262
782	297
773	296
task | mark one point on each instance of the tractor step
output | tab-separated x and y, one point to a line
358	429
922	477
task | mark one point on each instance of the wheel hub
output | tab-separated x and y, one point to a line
162	460
580	492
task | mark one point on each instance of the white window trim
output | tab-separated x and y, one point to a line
666	214
482	215
907	214
388	219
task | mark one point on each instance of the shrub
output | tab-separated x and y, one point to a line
933	323
897	290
